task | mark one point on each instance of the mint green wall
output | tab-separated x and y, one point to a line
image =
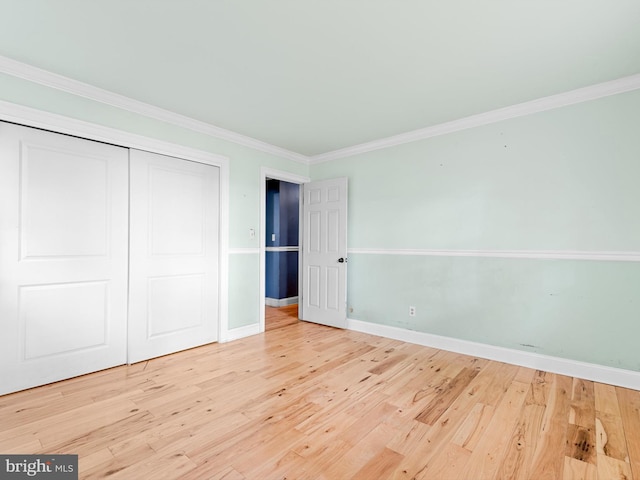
566	179
559	180
244	283
244	174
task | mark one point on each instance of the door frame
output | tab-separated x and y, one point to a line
31	117
270	173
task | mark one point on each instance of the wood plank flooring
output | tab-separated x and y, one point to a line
305	401
276	317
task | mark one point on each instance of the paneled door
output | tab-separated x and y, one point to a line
324	252
63	256
174	252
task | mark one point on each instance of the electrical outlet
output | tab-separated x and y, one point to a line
252	233
412	311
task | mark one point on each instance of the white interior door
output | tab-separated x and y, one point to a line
63	256
174	255
324	252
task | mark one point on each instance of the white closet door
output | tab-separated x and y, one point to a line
173	300
63	256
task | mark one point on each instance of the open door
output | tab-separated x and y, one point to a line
324	253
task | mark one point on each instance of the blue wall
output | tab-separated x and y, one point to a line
281	268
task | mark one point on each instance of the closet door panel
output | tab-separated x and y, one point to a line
174	255
63	256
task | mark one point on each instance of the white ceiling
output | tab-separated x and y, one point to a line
316	76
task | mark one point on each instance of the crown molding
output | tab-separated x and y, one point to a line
59	82
585	94
49	79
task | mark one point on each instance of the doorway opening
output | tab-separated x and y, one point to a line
280	252
282	247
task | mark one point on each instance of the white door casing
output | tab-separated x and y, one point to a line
324	252
270	173
174	255
63	256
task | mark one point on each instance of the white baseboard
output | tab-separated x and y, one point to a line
562	366
280	302
241	332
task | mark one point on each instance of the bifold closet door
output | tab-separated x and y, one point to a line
63	256
174	254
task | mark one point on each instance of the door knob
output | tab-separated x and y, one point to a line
342	260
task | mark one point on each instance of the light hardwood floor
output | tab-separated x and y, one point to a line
276	317
306	401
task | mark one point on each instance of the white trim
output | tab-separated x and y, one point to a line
272	174
282	249
241	332
81	89
585	94
244	251
266	173
49	79
224	251
610	256
563	366
280	302
32	117
57	123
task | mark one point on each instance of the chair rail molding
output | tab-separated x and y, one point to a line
609	256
